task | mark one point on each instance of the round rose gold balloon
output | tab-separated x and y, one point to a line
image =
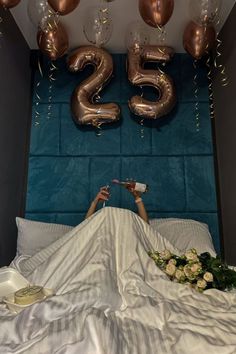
198	40
54	41
63	7
84	110
156	12
9	3
155	78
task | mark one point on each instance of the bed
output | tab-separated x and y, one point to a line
109	295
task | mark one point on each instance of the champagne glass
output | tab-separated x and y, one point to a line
107	188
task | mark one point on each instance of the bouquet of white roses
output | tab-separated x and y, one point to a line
200	271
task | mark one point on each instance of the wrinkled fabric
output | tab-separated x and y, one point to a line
112	299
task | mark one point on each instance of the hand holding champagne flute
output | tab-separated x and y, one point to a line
102	196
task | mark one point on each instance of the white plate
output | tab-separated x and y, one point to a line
10	301
11	281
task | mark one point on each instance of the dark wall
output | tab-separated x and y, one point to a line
15	106
225	131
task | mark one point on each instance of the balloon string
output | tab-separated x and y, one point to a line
221	67
103	13
161	40
98	128
142	120
36	111
52	79
142	128
96	98
51	26
217	65
195	82
210	87
141	88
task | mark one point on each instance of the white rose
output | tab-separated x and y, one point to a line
196	268
201	284
187	271
208	277
170	269
191	256
166	255
179	274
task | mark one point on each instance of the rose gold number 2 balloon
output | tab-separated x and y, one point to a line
156	78
84	110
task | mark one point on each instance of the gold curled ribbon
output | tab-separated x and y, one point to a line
141	122
221	67
98	127
52	79
217	65
103	12
50	26
162	34
142	128
36	111
96	98
51	48
196	90
161	40
210	87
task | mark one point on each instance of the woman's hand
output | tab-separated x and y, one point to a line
135	193
139	202
103	195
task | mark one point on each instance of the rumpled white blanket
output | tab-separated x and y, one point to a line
112	299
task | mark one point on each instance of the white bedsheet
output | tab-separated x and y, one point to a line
112	299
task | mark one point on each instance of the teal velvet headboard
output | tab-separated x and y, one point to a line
68	164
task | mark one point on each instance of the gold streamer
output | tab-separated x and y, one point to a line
142	128
221	67
97	125
52	79
98	128
36	110
196	106
104	13
51	47
141	122
161	40
210	87
96	98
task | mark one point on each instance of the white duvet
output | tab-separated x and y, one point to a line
112	299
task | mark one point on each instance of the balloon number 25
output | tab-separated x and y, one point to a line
139	76
85	109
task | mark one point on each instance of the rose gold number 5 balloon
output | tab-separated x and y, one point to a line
84	110
156	78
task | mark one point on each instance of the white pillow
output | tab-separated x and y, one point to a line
185	234
34	235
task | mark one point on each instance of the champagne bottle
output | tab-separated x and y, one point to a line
132	185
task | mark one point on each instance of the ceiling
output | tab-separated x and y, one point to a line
123	12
